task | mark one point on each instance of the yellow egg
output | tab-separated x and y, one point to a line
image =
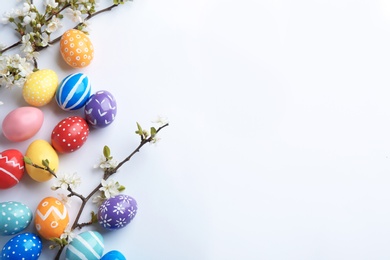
37	151
76	48
40	87
51	218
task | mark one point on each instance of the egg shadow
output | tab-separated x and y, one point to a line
63	65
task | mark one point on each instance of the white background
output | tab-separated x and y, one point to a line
278	145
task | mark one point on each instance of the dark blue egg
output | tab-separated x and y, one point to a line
73	91
113	255
23	246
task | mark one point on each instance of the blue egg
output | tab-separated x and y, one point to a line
113	255
87	245
23	246
73	91
14	217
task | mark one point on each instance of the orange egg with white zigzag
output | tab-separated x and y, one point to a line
51	218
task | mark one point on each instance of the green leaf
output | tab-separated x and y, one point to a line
153	131
27	160
45	163
121	188
94	217
139	131
107	152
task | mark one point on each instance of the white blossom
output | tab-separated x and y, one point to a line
65	180
26	9
13	70
29	17
68	235
98	199
64	199
110	188
74	15
7	16
155	140
53	25
106	164
51	3
44	39
25	69
26	44
161	120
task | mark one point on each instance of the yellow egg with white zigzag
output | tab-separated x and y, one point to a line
51	218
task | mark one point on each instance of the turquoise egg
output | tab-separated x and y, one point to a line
14	217
73	91
113	255
87	245
22	246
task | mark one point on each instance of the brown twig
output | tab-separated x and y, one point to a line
39	48
107	173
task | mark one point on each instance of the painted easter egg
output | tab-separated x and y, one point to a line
69	134
76	48
87	245
37	151
51	218
40	87
117	212
73	91
100	109
22	123
14	217
11	168
23	246
113	255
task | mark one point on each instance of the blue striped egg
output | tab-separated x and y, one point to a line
23	246
73	91
87	245
14	217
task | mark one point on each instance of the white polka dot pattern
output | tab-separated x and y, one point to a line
69	134
76	48
40	87
25	246
14	217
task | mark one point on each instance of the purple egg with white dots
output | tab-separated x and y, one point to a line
23	246
117	212
100	109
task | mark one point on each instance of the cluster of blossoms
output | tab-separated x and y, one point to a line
35	29
13	70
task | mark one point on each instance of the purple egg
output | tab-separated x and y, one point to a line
100	109
117	212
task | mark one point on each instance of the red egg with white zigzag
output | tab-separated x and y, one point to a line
11	168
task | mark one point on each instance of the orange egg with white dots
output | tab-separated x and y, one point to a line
76	48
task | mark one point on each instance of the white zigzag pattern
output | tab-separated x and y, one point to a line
9	174
12	162
52	208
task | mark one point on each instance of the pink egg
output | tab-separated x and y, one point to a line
22	123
